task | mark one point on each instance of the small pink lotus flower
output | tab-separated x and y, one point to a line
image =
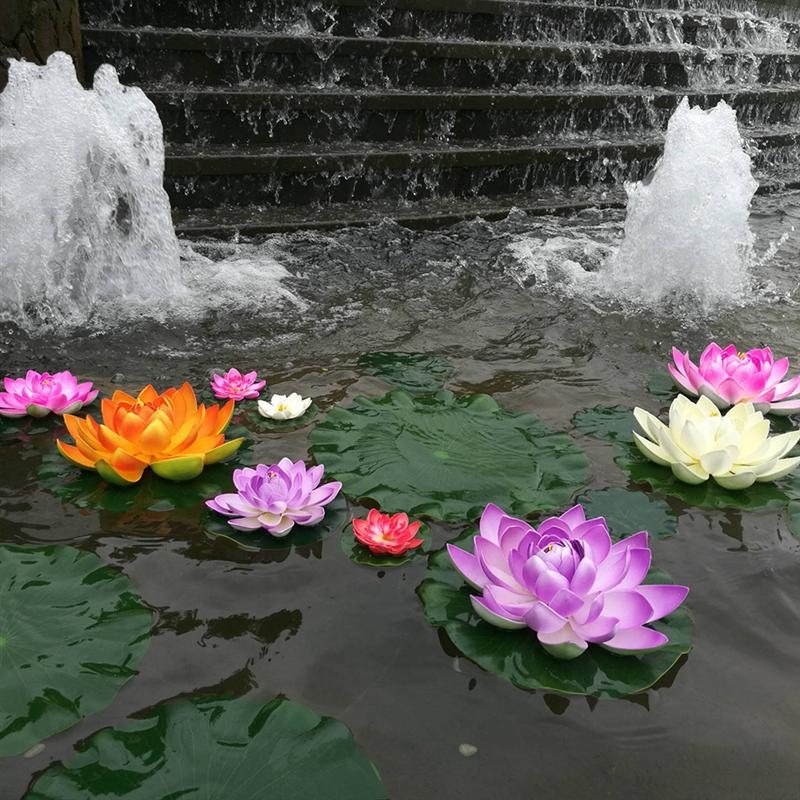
727	377
235	386
384	534
39	394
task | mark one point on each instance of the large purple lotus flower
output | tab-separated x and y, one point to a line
39	394
726	377
567	582
276	497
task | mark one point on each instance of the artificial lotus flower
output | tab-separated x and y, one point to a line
384	534
727	376
39	394
700	442
235	386
281	406
566	581
276	497
167	432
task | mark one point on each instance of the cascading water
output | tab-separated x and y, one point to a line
83	211
687	231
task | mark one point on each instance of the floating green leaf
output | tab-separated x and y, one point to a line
759	497
16	427
72	632
446	457
518	657
336	515
611	423
793	515
414	372
629	512
208	747
661	385
361	554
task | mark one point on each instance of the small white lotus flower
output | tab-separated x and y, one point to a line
281	406
735	449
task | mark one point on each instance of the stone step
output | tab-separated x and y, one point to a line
227	222
234	221
487	20
167	57
252	116
363	171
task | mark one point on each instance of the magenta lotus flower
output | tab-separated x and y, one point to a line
727	376
39	394
566	581
276	497
235	386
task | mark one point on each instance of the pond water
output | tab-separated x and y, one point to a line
502	303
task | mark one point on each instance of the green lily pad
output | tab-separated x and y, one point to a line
610	423
11	427
256	421
414	372
759	497
778	424
661	385
629	512
445	457
336	516
793	514
72	633
517	656
86	489
361	554
209	747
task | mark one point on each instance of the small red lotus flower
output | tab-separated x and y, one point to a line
382	533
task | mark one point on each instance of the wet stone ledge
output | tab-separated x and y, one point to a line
33	29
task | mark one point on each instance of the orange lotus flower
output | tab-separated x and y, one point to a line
168	432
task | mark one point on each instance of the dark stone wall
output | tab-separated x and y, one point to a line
33	29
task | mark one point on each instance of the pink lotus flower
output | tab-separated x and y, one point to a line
727	377
276	497
566	581
235	386
39	394
383	534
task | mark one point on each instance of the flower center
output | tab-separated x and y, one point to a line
282	407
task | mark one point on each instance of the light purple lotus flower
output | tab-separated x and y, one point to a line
727	376
277	497
567	582
39	394
235	386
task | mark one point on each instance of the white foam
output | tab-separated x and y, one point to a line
84	217
687	229
687	240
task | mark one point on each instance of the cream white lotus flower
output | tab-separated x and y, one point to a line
281	406
735	449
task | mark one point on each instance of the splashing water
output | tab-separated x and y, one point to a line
687	232
84	215
687	243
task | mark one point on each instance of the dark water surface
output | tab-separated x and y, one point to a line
352	642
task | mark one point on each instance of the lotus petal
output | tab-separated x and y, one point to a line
184	468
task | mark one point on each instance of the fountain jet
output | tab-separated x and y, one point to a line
83	213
